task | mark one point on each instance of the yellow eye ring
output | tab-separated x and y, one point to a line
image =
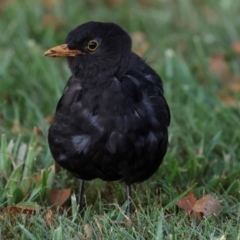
92	45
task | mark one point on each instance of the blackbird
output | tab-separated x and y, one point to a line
111	121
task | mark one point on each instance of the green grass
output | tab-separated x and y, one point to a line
204	138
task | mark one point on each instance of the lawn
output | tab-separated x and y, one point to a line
195	47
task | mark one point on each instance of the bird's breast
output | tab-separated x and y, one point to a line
110	116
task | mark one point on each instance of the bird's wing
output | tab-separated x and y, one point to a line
147	81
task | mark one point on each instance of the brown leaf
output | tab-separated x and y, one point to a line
49	218
229	100
88	231
228	90
219	67
236	47
207	205
59	197
235	85
187	202
14	210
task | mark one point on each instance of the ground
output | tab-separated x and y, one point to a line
195	48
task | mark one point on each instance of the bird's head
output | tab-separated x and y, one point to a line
94	48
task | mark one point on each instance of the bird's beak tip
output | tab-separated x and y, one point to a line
62	51
46	53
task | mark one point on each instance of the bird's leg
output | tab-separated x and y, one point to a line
80	194
129	200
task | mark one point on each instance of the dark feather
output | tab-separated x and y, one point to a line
111	121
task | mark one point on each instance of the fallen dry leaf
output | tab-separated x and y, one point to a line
228	90
235	84
229	100
219	67
59	197
88	231
207	205
187	202
230	82
14	210
49	218
236	47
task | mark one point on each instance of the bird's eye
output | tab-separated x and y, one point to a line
92	45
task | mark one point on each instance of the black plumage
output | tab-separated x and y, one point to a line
111	121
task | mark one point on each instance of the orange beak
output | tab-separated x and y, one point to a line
62	51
